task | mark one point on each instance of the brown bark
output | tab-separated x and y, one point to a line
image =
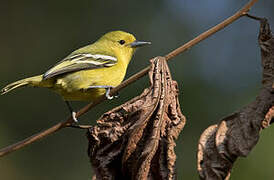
136	139
221	144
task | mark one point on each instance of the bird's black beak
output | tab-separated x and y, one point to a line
136	44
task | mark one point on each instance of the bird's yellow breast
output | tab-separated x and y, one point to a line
75	86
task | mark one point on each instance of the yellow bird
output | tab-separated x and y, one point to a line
88	72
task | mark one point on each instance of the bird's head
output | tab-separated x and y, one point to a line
121	42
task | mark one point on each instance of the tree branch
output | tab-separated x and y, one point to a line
69	121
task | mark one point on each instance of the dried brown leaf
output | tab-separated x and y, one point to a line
136	139
238	133
208	156
269	118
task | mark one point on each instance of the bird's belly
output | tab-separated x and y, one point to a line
76	86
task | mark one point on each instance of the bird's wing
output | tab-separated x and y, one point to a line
82	61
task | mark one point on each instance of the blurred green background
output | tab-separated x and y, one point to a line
216	77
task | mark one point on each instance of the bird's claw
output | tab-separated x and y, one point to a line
73	115
107	88
107	94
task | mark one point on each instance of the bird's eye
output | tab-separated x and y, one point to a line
122	42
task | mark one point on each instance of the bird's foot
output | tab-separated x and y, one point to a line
107	93
73	115
108	88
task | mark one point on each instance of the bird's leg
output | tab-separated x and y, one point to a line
108	88
73	113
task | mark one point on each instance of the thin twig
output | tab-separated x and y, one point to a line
254	17
130	80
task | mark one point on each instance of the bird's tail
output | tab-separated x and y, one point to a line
35	81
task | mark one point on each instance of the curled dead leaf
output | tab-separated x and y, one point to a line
269	118
136	139
237	134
